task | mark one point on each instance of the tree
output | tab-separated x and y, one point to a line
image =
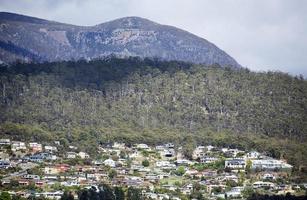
106	192
248	166
83	195
145	163
134	194
5	196
119	193
67	196
247	192
188	146
17	197
112	173
180	171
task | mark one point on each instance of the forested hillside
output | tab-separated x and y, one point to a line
155	101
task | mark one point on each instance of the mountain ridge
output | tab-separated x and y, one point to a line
123	37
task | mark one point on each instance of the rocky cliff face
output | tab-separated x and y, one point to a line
32	39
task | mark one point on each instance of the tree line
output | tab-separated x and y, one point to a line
147	100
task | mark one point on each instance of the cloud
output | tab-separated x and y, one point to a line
259	34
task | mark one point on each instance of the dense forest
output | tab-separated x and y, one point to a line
147	100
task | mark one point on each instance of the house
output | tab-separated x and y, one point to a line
150	195
31	177
152	177
231	177
35	147
160	148
187	189
253	155
51	170
191	172
118	145
133	181
71	155
170	187
210	147
49	177
208	159
62	167
72	147
268	176
169	145
50	195
50	156
165	165
97	162
235	192
142	146
270	164
36	158
209	173
83	155
261	184
5	141
183	162
17	146
233	152
70	183
198	152
4	164
109	162
168	153
50	149
235	163
224	150
134	154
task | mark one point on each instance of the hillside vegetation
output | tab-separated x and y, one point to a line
136	100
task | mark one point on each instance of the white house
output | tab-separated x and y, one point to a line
142	146
183	162
50	148
208	159
168	153
16	146
252	155
50	195
5	141
117	145
169	145
73	147
71	155
235	192
235	163
31	176
260	184
165	165
268	176
109	162
83	155
162	163
270	164
198	152
210	147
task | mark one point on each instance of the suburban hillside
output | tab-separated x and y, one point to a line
29	39
135	100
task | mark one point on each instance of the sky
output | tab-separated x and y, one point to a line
261	35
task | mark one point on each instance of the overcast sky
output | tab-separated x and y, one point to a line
259	34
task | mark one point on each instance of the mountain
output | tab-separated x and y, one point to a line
31	39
